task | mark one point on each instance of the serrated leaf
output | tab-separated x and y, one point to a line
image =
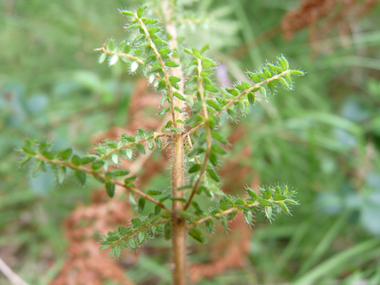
102	57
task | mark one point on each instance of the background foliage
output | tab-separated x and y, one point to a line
322	139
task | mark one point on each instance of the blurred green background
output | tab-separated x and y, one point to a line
323	139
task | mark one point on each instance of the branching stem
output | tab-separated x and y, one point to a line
130	145
208	135
164	70
100	175
224	213
103	49
257	85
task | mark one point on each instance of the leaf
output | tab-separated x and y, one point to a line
140	147
251	98
115	158
214	104
141	237
76	160
110	188
206	47
113	60
219	137
171	63
141	204
129	153
223	205
231	113
127	49
223	220
209	226
117	173
81	176
197	234
179	96
161	85
150	145
97	164
154	192
61	174
232	215
232	91
25	160
37	168
211	88
134	66
128	13
164	110
212	174
218	149
195	168
88	159
191	81
110	45
132	243
66	154
248	217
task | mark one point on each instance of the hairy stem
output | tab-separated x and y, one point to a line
179	231
100	175
224	213
103	49
164	70
208	133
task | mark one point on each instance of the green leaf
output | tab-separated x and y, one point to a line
213	174
231	113
232	215
132	243
161	85
88	159
213	158
197	234
150	59
61	174
110	188
174	81
209	226
218	149
214	104
141	204
25	160
206	47
211	88
81	176
251	98
140	11
164	110
97	164
191	81
65	154
223	205
232	91
248	217
117	173
178	109
167	231
110	45
253	194
127	49
76	160
128	13
179	96
160	42
141	237
219	137
223	220
154	192
158	142
195	168
129	180
171	63
196	107
38	166
150	145
140	147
